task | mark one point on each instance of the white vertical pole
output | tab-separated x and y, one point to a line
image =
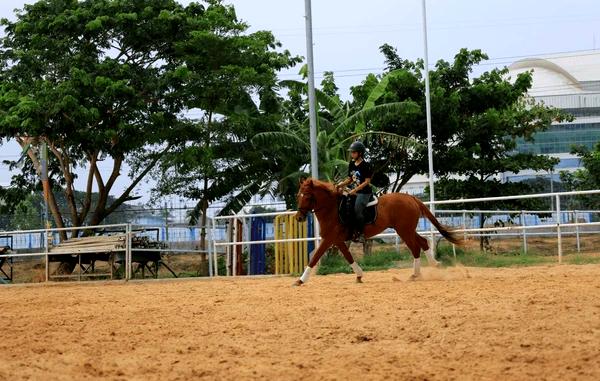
128	255
208	240
524	232
214	243
46	250
577	232
558	228
464	224
312	104
247	234
234	247
429	139
228	249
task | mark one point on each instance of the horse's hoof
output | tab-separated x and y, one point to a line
297	283
359	279
415	277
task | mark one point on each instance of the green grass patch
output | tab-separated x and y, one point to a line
478	259
579	259
383	260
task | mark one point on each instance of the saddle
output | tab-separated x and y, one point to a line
346	210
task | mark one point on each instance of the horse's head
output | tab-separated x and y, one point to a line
306	199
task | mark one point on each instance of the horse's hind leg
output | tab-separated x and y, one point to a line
414	245
425	247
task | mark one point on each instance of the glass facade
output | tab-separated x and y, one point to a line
561	137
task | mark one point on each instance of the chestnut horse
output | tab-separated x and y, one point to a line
394	210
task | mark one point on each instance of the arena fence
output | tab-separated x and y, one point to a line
551	227
230	236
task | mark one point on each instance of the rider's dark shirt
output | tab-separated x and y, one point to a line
358	174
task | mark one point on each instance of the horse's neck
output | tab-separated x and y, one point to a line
327	204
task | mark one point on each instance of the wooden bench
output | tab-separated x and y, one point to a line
86	251
5	274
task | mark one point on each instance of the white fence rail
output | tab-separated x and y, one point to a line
557	224
553	228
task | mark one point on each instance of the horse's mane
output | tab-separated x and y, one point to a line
324	185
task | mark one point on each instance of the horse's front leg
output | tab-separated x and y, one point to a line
321	249
348	255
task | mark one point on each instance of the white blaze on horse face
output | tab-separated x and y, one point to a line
301	202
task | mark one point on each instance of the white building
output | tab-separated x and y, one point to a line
570	82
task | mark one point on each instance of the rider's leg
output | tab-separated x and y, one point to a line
362	200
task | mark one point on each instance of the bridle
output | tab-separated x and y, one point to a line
305	211
311	208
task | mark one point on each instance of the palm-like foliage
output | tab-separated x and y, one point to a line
338	126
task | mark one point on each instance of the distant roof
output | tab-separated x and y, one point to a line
562	74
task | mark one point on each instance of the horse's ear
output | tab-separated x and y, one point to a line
301	180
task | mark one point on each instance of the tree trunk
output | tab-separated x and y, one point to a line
203	268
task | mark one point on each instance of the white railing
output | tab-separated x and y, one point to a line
48	237
466	231
213	244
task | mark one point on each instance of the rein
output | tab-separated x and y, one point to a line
314	209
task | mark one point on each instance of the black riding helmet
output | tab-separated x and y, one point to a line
357	146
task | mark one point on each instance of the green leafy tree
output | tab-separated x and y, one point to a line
475	124
92	80
231	85
338	126
106	82
585	178
28	214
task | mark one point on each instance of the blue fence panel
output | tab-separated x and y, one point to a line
258	258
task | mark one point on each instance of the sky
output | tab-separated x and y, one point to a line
348	34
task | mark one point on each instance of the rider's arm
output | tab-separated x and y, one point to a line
345	182
362	185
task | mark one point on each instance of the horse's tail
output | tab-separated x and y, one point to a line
444	230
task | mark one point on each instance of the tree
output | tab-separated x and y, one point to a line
338	126
105	81
475	123
230	83
91	80
28	214
402	83
585	178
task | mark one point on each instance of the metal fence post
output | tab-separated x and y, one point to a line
464	216
558	228
577	231
523	224
128	255
234	230
215	257
46	250
208	239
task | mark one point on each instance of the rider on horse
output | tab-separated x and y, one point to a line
359	180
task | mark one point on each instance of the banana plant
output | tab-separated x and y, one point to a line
338	126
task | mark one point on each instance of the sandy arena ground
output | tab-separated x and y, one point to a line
458	323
